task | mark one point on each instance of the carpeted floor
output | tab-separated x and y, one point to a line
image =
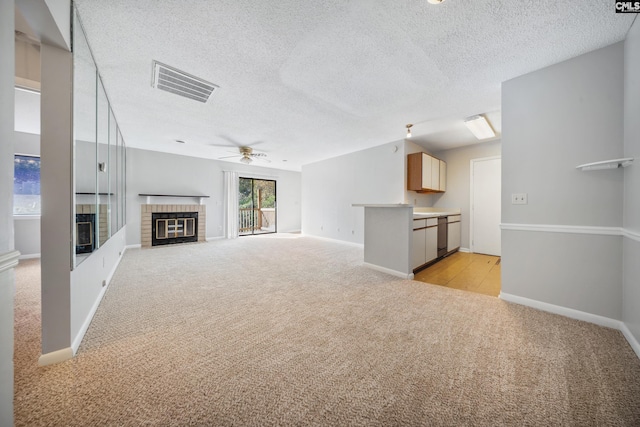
278	330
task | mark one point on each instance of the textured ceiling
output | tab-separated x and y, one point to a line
312	80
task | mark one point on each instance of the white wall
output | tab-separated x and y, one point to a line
631	274
553	120
161	173
330	187
7	280
27	228
458	180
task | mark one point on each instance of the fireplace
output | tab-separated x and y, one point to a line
85	234
175	227
171	224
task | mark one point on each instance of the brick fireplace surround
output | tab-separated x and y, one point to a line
147	210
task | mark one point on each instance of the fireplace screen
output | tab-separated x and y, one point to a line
85	242
179	227
172	228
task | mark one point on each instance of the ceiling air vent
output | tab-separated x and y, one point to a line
175	81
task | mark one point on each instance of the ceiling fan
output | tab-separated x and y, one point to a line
246	150
247	155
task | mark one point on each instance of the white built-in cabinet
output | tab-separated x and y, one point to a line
426	174
425	241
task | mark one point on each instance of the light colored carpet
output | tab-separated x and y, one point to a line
295	331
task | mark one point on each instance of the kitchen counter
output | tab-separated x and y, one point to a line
388	235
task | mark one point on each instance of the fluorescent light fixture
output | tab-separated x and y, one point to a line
480	127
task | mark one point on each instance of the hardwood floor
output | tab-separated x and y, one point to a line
469	272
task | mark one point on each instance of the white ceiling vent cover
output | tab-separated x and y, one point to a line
175	81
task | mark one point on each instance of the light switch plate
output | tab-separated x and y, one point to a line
519	199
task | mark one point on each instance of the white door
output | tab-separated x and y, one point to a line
485	205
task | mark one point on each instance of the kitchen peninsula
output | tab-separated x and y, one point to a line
399	238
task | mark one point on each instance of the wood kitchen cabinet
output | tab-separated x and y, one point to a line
425	173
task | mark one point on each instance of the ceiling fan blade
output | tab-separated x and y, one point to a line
229	157
220	145
226	138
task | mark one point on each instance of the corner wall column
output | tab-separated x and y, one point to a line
57	194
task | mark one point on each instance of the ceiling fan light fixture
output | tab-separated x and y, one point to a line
409	130
246	160
480	127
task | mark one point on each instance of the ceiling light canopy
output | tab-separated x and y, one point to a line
435	1
409	130
480	127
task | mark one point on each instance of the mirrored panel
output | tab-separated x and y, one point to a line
102	115
112	168
100	155
84	119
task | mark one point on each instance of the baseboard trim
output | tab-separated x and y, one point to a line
210	239
563	311
465	250
389	271
577	314
633	342
56	357
137	246
29	256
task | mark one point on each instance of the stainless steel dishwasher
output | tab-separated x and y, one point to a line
442	236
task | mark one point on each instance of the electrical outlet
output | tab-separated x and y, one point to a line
519	199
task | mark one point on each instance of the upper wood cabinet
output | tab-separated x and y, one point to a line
426	174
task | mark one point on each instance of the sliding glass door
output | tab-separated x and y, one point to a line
257	206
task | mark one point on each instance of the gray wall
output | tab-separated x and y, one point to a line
553	120
458	192
330	187
631	286
56	195
7	281
27	229
162	173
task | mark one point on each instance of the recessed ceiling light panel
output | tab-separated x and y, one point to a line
480	127
180	83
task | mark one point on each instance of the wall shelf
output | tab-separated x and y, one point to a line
606	164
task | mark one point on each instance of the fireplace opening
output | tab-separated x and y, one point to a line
174	227
85	234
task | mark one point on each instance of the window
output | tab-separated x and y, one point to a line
26	185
